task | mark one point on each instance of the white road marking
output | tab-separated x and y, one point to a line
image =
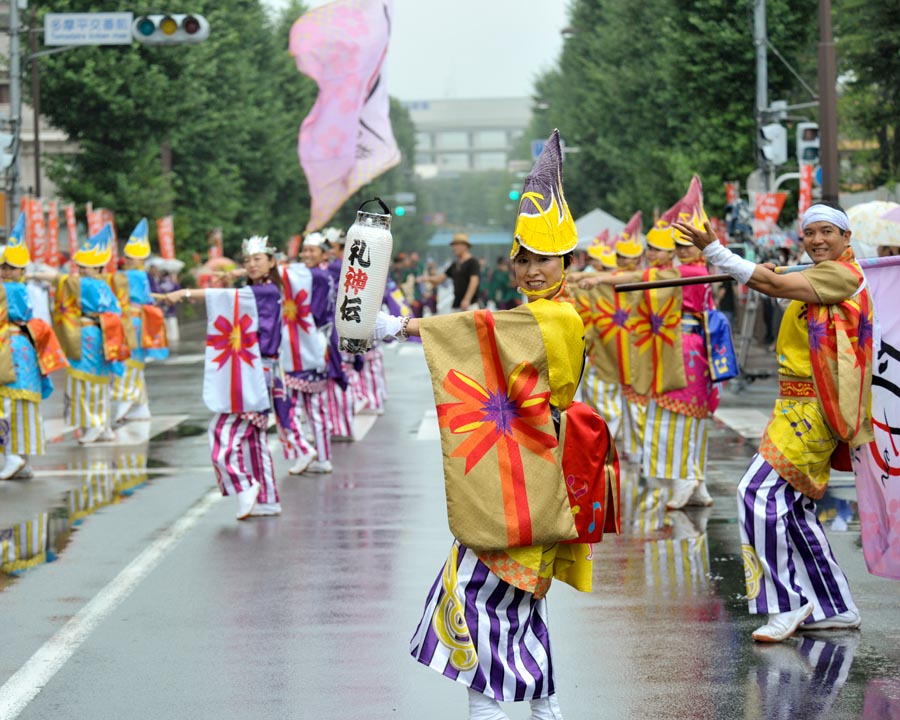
37	672
429	428
746	422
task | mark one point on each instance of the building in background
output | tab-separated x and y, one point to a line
458	136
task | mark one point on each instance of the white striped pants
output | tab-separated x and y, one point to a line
21	427
634	419
129	389
87	402
293	440
674	445
787	558
340	409
241	456
605	398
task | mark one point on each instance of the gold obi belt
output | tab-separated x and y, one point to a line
791	387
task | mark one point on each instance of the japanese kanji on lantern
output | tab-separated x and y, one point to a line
364	270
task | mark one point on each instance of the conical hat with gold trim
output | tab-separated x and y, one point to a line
544	224
16	253
599	245
662	235
138	245
96	251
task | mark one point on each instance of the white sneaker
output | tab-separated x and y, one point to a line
90	435
303	462
263	509
701	496
847	620
122	411
481	707
138	412
546	709
107	435
681	493
13	464
782	625
320	466
247	501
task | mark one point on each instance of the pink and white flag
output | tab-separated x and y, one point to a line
346	140
233	377
877	465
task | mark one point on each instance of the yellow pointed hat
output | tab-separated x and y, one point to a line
599	245
628	244
691	210
138	245
96	251
662	235
544	224
16	253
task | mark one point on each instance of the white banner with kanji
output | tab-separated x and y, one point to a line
233	377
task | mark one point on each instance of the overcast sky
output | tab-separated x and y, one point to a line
469	48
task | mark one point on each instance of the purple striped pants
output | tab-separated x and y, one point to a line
787	558
241	456
371	380
315	405
484	633
293	442
340	409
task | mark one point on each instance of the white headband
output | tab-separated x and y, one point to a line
825	213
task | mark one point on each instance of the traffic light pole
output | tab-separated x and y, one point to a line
15	112
760	42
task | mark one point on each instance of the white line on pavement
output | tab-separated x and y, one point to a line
34	675
429	428
746	422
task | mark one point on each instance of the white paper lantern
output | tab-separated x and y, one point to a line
364	270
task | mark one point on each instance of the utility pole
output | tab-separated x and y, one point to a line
828	150
15	109
760	42
36	100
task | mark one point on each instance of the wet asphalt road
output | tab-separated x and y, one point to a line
156	603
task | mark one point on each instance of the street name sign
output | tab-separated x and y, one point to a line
100	28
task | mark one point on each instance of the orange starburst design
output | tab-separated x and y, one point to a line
68	311
296	310
656	326
505	412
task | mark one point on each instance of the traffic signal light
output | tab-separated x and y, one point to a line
773	143
514	195
7	151
808	143
399	211
169	29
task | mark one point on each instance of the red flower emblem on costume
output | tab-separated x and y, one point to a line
296	310
234	340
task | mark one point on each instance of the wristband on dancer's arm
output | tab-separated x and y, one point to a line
739	268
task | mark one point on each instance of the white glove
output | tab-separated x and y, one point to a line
739	268
386	326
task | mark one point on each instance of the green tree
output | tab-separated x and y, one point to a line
868	40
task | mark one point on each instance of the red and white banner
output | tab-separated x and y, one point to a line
766	209
216	249
71	229
806	186
731	192
233	378
165	236
52	234
36	232
293	248
877	465
346	141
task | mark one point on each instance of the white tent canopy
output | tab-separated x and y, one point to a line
595	222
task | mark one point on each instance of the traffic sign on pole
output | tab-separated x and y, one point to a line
98	28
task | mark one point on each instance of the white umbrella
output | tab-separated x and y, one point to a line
869	225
